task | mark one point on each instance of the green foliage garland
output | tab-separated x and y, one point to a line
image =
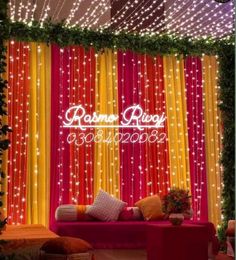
227	107
64	36
3	10
4	128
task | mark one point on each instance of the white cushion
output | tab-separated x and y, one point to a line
66	213
106	207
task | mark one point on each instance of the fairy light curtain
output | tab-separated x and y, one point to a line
186	153
106	157
146	172
72	160
18	118
212	136
177	121
196	136
29	113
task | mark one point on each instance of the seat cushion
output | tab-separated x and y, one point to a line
66	245
130	214
70	212
151	207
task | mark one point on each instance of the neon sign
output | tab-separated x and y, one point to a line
144	126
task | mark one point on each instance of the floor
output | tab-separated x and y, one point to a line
134	255
120	254
223	257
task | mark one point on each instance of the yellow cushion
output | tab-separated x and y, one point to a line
151	207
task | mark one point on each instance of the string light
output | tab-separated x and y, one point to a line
182	18
18	118
120	14
74	9
200	20
143	14
89	20
96	20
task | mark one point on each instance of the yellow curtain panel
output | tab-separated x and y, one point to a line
106	172
37	188
212	137
177	121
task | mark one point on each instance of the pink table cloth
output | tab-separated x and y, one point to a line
177	242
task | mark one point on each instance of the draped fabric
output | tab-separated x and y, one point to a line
54	162
144	167
196	133
73	82
106	170
82	91
18	118
28	109
38	177
157	153
177	121
132	156
212	137
59	184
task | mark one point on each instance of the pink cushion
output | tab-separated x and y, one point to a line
106	207
126	214
130	213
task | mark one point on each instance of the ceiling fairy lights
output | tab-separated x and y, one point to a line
193	18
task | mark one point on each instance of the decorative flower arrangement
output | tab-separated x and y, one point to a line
176	201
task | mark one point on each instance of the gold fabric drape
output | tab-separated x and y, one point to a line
37	190
212	137
177	121
106	172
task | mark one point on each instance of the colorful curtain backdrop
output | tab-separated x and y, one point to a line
56	96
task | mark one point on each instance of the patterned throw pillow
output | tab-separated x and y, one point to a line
105	207
151	207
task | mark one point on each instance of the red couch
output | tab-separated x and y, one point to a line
119	234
